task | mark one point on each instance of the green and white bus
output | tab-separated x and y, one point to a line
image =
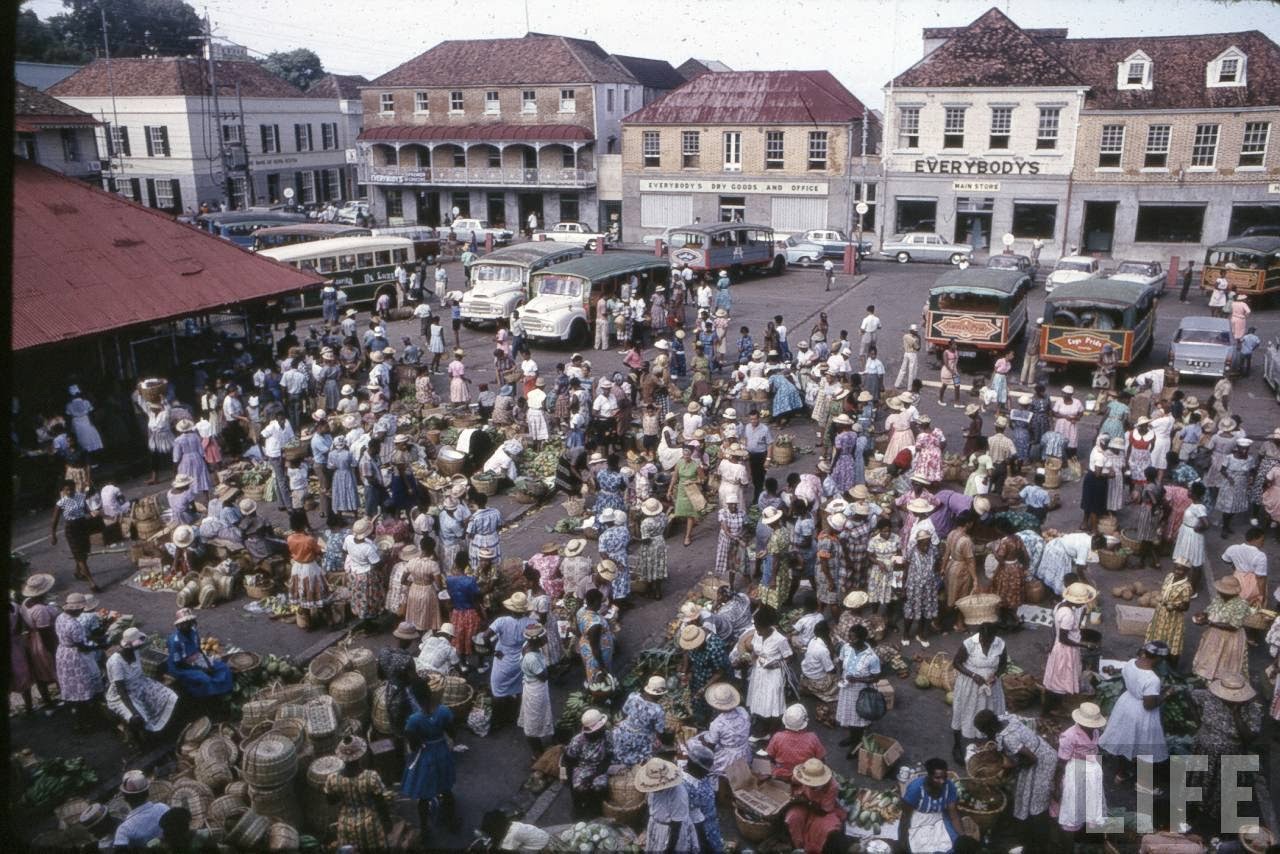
364	267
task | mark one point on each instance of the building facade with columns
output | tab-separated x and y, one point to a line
499	129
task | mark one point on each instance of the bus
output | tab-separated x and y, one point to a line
1081	317
732	246
563	308
239	226
363	267
1250	264
979	308
500	279
303	232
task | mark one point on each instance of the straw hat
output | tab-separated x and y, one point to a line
657	775
182	481
90	602
1089	715
1232	687
1228	585
1116	444
920	506
722	696
91	815
352	748
134	783
574	547
1079	593
864	397
607	569
836	521
132	638
692	636
1024	399
861	508
924	534
248	507
183	536
924	420
1242	442
720	312
593	719
836	505
361	528
184	615
225	492
1226	425
981	505
858	492
972	409
406	631
856	599
843	420
517	602
814	772
651	507
38	585
1068	389
693	406
771	515
74	602
1001	421
656	686
795	718
895	403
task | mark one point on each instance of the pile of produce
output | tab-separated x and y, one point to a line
256	475
52	781
870	809
978	797
1021	520
161	580
1137	593
891	657
276	606
272	668
1179	713
567	525
541	464
114	624
210	645
598	835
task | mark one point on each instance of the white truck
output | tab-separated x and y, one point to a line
500	279
464	228
575	232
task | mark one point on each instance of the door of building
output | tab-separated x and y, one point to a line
1099	226
531	203
973	221
611	218
497	209
429	208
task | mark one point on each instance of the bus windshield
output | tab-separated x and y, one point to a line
1089	317
1235	258
482	273
560	286
687	240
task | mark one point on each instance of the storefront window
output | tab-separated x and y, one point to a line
395	203
1034	219
569	207
1169	224
733	208
917	215
1254	216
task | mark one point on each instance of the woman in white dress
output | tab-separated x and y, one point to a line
1134	728
159	439
1162	424
1080	789
859	669
140	701
766	686
979	664
670	446
536	719
1189	545
536	414
734	478
78	410
669	813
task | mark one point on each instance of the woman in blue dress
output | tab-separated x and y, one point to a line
342	485
610	487
505	679
188	457
1117	420
787	399
197	675
453	531
370	468
724	299
330	381
643	721
429	772
843	468
1020	431
614	540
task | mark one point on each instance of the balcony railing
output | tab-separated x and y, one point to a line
455	176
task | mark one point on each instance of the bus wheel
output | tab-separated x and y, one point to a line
579	335
779	265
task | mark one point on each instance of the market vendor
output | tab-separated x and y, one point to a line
503	461
1036	762
815	812
256	532
197	674
181	552
437	654
795	744
585	764
930	821
643	722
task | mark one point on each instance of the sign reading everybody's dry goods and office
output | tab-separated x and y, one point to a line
784	188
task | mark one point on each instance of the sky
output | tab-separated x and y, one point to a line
862	42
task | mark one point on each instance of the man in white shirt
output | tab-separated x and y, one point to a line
829	272
837	364
603	411
402	281
1153	378
275	435
294	384
870	327
705	296
1249	562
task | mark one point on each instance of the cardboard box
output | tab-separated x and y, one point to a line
1133	620
877	765
886	691
765	798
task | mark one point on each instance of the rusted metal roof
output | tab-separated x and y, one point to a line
86	262
33	111
754	97
497	132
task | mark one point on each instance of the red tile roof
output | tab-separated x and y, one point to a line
345	87
86	262
34	111
754	97
535	58
169	75
992	51
497	131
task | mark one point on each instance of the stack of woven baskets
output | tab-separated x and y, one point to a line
625	803
320	813
351	691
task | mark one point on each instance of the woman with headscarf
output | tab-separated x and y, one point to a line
1233	497
1168	625
1134	728
766	686
143	703
1222	645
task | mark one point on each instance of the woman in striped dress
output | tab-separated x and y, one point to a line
1149	522
859	668
651	557
1116	497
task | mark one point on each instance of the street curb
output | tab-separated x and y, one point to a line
849	289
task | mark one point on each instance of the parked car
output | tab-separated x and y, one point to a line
464	228
833	242
1021	263
1202	347
1261	231
353	212
1071	268
574	232
924	246
665	236
803	252
1143	272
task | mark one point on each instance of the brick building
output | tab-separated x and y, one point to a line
501	128
791	149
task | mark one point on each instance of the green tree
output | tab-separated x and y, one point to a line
134	27
300	67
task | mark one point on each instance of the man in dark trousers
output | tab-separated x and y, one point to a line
1186	280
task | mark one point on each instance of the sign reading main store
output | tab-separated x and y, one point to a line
784	188
934	166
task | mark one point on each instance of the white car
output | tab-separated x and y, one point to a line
1071	268
574	232
352	212
665	236
464	228
1149	273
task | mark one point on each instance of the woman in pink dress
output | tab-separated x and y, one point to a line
929	444
1062	669
1177	499
1240	312
459	385
41	640
898	426
547	563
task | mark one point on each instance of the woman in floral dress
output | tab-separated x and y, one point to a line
643	721
364	581
1230	722
1040	407
882	548
398	583
610	486
342	484
547	564
829	576
1222	646
651	557
775	584
786	398
1117	421
595	639
1169	622
79	680
843	469
898	426
929	444
706	659
1233	497
920	602
334	555
1011	570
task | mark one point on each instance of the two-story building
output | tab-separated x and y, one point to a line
345	89
499	129
54	134
980	136
1174	146
791	149
170	148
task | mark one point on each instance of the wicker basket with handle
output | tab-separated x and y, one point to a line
457	695
270	761
224	808
214	773
623	792
364	662
485	485
282	837
219	748
249	832
939	671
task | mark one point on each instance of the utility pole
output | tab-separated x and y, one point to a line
225	183
112	149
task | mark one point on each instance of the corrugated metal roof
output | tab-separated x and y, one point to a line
1097	290
591	265
498	132
754	97
1253	243
980	279
86	262
31	102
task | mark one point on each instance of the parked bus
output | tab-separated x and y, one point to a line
1080	317
733	246
1251	265
364	267
563	307
979	308
239	226
426	240
275	236
500	279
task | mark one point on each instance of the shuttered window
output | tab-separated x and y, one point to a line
660	210
157	141
795	213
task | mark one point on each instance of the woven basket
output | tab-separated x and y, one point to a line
379	717
978	608
1052	473
986	764
985	819
1260	619
623	792
750	829
257	491
784	455
364	662
152	389
226	807
68	813
1112	560
153	661
196	797
244	662
294	728
238	789
321	719
280	803
197	731
629	816
325	666
282	837
485	485
258	586
457	695
219	748
939	671
284	711
270	761
1128	542
249	832
215	774
300	692
349	687
320	812
256	711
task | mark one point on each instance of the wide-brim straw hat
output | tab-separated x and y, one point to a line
843	420
771	515
836	521
183	536
74	602
1228	585
656	686
858	492
651	507
895	403
692	636
981	505
657	775
549	548
1089	715
248	507
517	602
184	425
38	584
865	397
693	406
1232	687
361	528
722	697
920	506
796	717
814	772
182	481
1080	593
607	569
574	547
406	631
972	409
184	615
690	611
856	599
593	719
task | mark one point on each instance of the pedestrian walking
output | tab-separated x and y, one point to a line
1186	281
911	343
870	328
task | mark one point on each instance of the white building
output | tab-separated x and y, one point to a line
167	143
54	134
345	89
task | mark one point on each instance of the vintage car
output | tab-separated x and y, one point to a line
924	246
979	308
1143	272
1071	268
1081	317
833	242
1021	263
802	252
464	228
1202	347
574	232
